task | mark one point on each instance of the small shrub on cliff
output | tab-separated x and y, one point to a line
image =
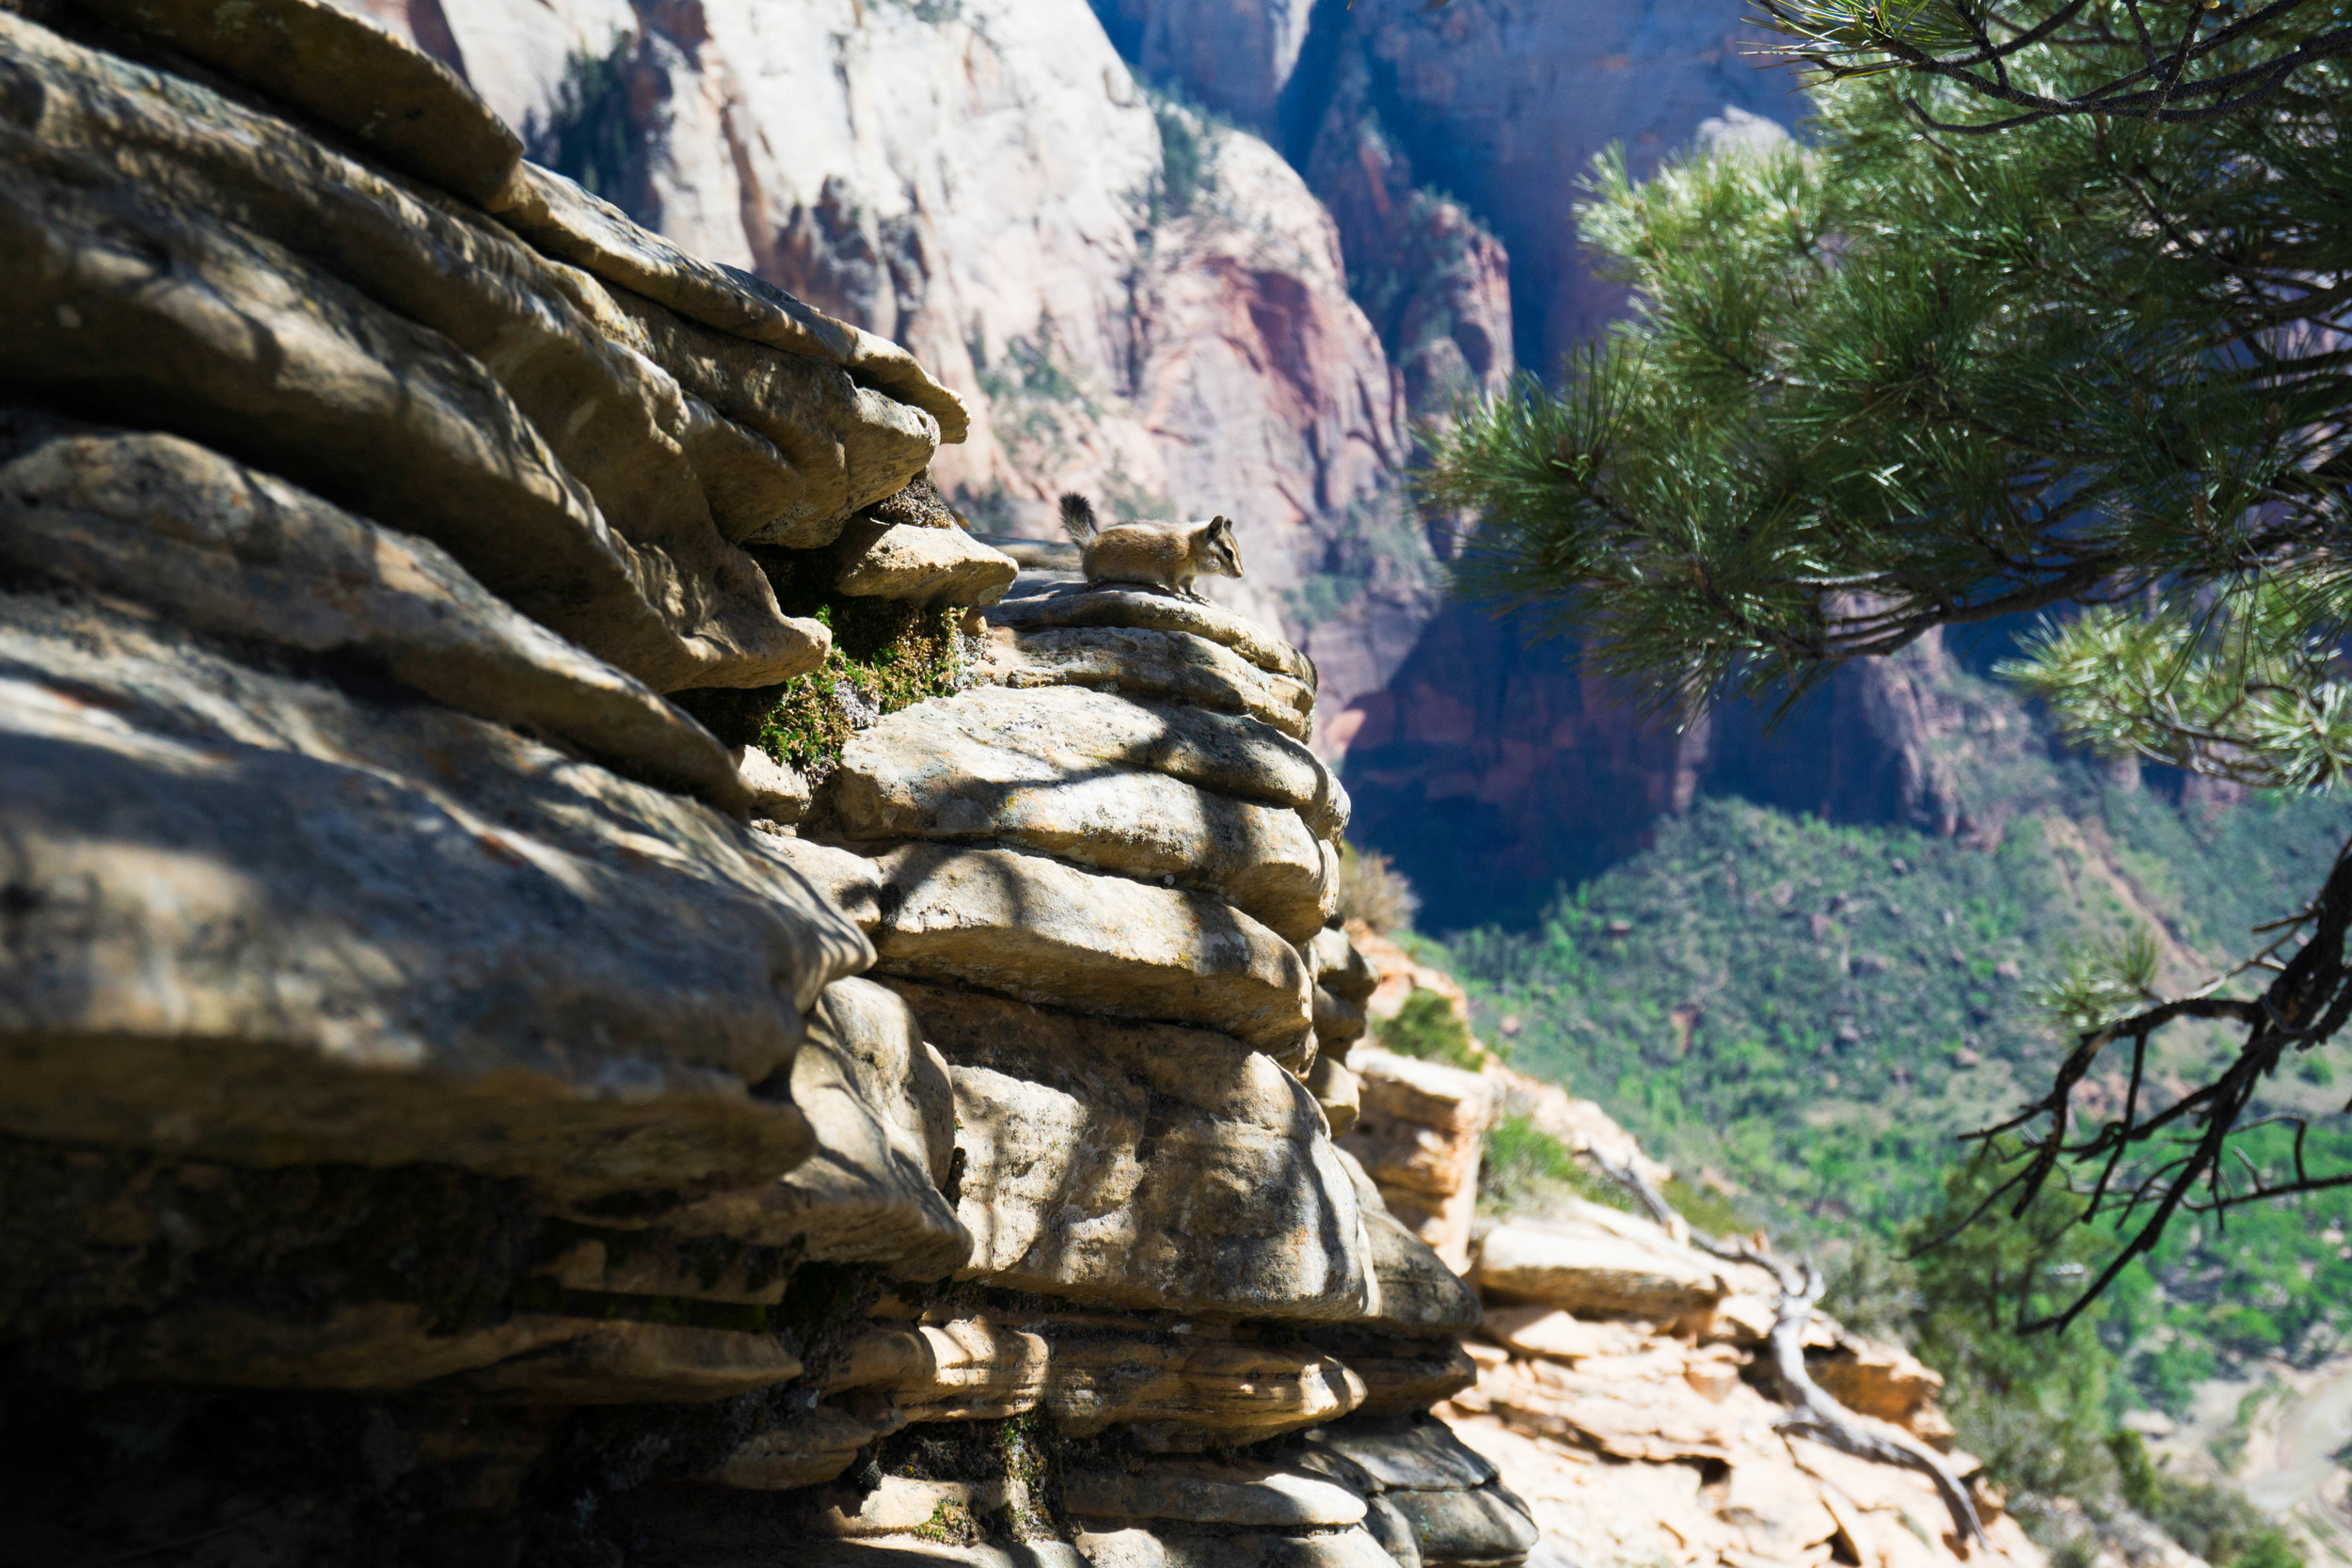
1520	1166
885	655
1427	1027
2210	1519
1374	890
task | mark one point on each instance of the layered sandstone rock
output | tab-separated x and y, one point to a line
457	1097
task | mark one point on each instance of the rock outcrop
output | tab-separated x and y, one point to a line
570	993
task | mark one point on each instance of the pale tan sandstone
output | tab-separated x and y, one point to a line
1419	1295
1582	1266
923	565
777	791
353	1346
1197	1493
227	549
1419	1136
882	1110
1337	1091
1140	607
639	1363
1025	925
1071	729
1401	1375
807	1448
562	220
195	973
919	774
1172	666
396	324
409	106
1143	1164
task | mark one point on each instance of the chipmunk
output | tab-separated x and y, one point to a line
1166	556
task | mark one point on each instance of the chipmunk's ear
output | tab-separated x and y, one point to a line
1221	524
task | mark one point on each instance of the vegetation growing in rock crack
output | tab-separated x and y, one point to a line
886	655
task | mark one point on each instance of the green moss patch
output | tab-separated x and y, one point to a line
886	656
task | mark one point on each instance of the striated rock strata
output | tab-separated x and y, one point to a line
462	1105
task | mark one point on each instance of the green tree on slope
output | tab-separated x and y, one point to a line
1888	383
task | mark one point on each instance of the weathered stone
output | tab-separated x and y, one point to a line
1419	1295
1184	1389
851	445
564	221
1418	1135
974	1369
852	883
224	550
1068	731
1336	1090
1170	665
1584	1269
1416	1454
902	1505
919	505
1483	1525
341	311
1025	925
1338	1024
882	1109
1420	1093
323	61
1142	1165
265	920
1401	1375
1190	1391
1209	1547
919	774
1874	1379
1140	607
812	1446
1196	1492
1645	1407
923	565
641	1363
661	1263
1341	970
1392	1530
777	791
1554	1335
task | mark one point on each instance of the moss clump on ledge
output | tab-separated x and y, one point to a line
1425	1026
886	656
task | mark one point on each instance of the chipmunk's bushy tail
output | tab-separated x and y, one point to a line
1077	517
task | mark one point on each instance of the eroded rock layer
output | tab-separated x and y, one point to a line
568	996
